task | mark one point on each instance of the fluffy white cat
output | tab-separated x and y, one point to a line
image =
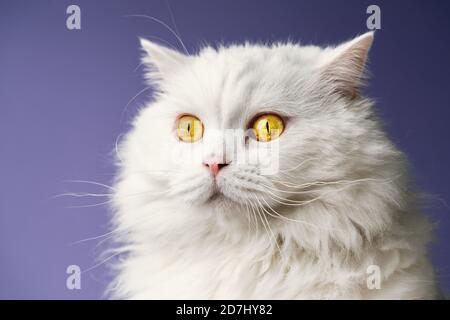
338	219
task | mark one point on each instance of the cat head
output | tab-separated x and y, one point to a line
254	125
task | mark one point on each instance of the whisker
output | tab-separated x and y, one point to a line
104	261
280	216
172	17
164	25
134	98
90	205
258	214
82	194
321	183
286	191
126	196
300	164
111	233
91	182
249	226
254	219
270	229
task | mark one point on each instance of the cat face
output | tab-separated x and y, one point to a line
249	124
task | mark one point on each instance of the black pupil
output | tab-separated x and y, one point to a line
189	127
267	126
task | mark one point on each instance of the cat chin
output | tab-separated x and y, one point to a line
220	201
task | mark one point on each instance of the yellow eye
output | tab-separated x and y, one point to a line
189	129
268	127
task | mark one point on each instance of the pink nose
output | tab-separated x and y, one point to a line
214	167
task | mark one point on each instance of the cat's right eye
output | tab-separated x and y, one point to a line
189	128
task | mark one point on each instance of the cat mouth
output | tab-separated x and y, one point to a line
220	200
219	195
216	194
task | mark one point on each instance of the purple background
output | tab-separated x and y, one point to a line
63	94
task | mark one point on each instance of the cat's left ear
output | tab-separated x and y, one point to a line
344	66
161	61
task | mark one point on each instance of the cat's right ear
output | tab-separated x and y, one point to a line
160	62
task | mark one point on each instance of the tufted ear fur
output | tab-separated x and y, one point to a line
161	62
344	66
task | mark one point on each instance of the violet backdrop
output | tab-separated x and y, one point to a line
63	95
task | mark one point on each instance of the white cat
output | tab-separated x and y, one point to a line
340	207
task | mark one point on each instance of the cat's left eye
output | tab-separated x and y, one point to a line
268	127
189	128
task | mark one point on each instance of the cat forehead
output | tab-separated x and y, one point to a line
236	82
258	53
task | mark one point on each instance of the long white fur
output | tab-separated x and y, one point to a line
342	200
